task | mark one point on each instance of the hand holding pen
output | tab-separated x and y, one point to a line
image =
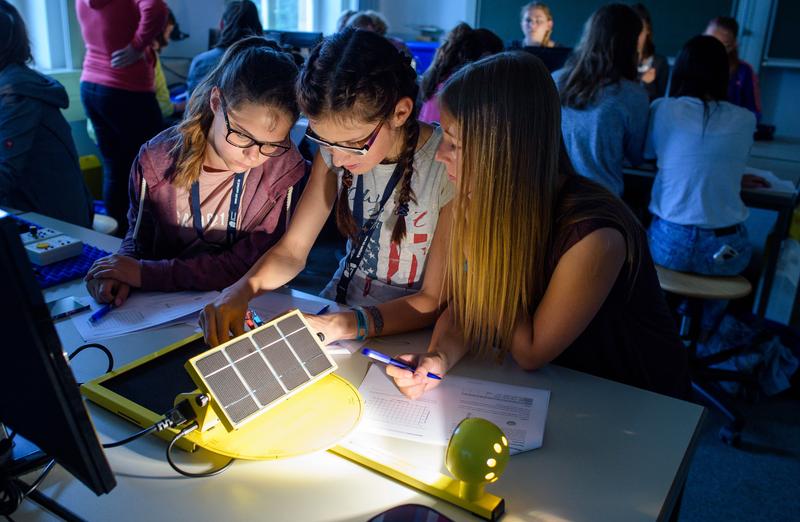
417	380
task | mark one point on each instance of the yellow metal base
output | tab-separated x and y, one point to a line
488	506
312	420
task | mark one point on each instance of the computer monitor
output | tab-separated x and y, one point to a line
39	398
294	39
554	58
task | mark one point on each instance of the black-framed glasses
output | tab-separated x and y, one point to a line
243	141
359	150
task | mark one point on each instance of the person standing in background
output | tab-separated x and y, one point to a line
653	68
743	89
117	86
239	20
536	21
39	168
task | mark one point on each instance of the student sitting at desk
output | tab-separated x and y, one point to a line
743	89
701	142
209	196
536	22
39	170
376	165
544	265
604	109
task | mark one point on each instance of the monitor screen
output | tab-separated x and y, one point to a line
39	398
554	58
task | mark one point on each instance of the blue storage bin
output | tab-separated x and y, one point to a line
423	53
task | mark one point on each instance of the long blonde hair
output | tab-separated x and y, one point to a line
517	190
251	70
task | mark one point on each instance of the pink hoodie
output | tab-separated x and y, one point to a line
152	233
110	25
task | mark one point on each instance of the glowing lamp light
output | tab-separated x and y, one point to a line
476	455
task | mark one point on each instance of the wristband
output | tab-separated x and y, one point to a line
361	324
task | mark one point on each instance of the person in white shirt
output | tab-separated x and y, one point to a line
701	143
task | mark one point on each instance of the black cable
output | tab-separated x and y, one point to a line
149	429
100	347
40	478
14	491
187	430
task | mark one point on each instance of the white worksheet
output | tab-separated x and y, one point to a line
519	411
142	310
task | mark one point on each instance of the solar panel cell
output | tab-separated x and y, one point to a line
266	337
212	363
227	386
240	349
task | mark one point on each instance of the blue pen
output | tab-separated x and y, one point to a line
99	314
385	359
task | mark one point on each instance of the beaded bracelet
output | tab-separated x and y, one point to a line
377	318
362	328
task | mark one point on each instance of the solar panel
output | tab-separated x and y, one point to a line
255	371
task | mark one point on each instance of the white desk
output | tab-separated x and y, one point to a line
611	452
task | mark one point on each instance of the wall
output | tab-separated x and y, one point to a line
780	98
444	14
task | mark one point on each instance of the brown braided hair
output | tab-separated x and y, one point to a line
360	75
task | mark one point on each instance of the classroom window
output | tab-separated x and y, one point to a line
303	15
48	23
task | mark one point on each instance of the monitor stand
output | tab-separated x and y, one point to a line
18	457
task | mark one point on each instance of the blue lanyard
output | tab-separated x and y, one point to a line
367	230
233	212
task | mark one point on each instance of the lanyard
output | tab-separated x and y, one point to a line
367	229
233	212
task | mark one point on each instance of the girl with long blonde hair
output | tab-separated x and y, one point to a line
209	196
543	265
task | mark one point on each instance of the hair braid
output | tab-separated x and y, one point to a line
406	192
344	216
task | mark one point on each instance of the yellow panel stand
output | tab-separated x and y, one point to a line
314	419
488	506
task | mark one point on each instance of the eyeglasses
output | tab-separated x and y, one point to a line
361	150
243	141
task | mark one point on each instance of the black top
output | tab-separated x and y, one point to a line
658	87
633	338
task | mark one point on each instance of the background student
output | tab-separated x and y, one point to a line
653	68
462	45
536	22
702	143
743	87
603	107
210	196
117	87
239	20
376	163
39	170
544	265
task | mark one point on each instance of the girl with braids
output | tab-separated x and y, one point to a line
544	265
377	165
211	195
463	45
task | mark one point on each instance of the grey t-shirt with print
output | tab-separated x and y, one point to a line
388	271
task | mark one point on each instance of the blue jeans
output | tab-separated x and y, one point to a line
687	248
